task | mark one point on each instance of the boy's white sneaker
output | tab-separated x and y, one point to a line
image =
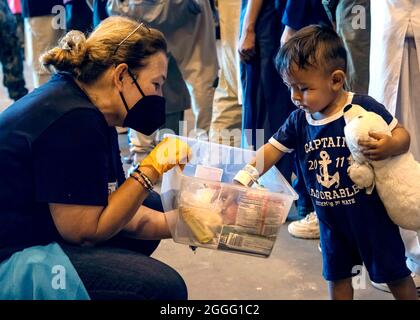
306	228
381	286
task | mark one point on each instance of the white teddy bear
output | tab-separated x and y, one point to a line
397	179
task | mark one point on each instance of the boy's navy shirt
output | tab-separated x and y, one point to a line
355	228
324	157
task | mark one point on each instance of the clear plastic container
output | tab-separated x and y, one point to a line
204	209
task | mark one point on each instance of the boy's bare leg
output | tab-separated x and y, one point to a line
341	289
403	289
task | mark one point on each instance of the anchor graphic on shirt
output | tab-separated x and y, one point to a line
325	179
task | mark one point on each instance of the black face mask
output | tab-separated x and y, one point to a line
147	115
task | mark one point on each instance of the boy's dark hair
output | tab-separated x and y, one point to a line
313	46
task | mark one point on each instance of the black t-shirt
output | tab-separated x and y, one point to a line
302	13
36	8
55	147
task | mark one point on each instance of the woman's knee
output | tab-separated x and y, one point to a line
169	284
115	273
154	280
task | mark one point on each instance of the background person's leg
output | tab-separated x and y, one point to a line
197	61
227	110
10	54
408	100
20	33
140	144
202	94
39	37
353	26
408	113
273	98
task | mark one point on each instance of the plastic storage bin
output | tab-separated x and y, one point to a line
204	209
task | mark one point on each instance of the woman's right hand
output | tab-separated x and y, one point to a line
167	154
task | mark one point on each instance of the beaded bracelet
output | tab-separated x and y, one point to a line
137	176
145	178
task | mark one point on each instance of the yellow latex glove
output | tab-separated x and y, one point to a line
167	154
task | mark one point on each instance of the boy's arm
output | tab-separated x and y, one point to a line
266	157
385	146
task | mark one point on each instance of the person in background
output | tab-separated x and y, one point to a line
188	26
99	11
263	100
10	54
227	105
40	34
16	8
193	45
79	16
351	19
301	13
394	78
266	101
297	15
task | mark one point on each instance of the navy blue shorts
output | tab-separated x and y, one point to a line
373	240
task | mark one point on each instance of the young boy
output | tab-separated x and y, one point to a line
354	226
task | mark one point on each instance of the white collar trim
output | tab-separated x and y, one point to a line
331	118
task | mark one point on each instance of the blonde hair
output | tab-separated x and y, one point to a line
113	42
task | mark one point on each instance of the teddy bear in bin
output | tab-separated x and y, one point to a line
397	179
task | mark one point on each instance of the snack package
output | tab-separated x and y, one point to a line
230	218
203	208
201	212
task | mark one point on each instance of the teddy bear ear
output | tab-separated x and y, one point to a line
347	107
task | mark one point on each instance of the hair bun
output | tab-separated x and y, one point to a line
74	42
68	55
